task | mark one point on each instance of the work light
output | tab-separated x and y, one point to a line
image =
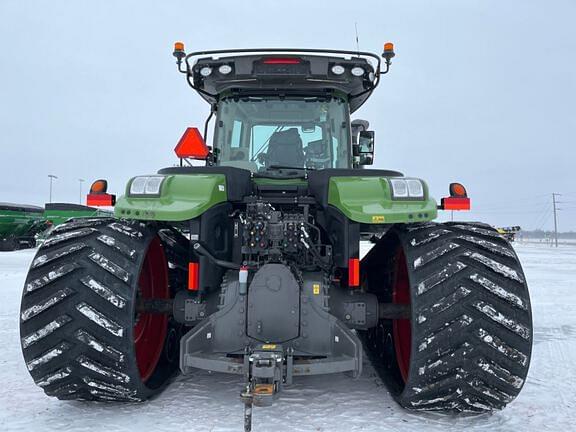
225	69
146	185
205	71
338	70
407	188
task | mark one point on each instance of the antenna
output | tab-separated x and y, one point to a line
357	42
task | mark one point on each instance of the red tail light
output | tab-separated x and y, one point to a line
100	200
353	272
282	60
193	271
455	203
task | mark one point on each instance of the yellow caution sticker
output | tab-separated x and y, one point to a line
269	346
316	289
377	219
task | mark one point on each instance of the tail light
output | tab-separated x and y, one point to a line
282	60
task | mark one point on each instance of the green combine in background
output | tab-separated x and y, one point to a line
58	213
22	225
19	224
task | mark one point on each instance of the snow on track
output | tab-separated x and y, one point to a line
209	402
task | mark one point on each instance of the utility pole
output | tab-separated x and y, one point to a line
555	218
52	177
80	197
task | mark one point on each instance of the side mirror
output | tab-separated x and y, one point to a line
365	148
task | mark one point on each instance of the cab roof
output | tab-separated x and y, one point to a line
283	72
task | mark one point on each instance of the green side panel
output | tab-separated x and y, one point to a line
369	200
182	197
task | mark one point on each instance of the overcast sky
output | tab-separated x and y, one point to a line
481	92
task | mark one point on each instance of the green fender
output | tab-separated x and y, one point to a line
369	200
181	197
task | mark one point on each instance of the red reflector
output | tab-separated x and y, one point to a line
282	60
191	145
353	272
453	203
100	200
193	270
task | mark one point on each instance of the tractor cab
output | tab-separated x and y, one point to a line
267	134
281	111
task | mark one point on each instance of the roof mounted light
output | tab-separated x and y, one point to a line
225	69
205	71
357	71
388	51
179	52
338	70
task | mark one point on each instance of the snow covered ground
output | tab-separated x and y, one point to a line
209	402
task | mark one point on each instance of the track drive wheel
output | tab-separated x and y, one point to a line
467	345
83	333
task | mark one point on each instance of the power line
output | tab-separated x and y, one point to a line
541	221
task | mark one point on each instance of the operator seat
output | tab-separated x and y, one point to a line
285	149
316	154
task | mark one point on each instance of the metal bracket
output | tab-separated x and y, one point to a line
265	369
194	311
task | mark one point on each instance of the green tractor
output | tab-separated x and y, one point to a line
251	264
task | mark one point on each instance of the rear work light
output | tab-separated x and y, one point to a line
282	60
146	185
407	188
225	69
338	70
205	71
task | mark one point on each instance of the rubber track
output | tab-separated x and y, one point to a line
471	318
78	310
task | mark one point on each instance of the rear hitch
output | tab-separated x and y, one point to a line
267	369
